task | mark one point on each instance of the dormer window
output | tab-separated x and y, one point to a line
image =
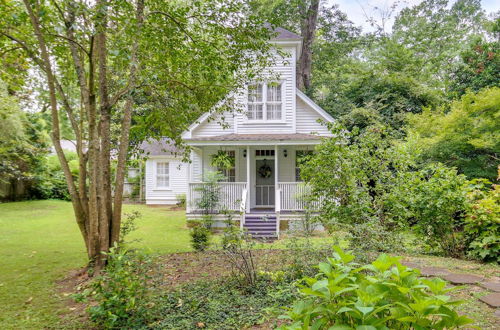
265	101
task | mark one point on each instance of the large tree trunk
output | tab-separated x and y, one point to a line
92	201
309	15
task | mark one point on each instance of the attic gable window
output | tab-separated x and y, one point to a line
265	101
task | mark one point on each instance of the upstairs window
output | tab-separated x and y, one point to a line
265	101
162	175
255	102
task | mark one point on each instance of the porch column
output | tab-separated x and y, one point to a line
248	180
276	180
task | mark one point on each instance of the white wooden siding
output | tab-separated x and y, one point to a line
177	181
220	124
286	165
307	120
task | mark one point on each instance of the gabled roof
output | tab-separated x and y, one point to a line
283	34
160	147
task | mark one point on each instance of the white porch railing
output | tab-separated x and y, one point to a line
230	195
293	196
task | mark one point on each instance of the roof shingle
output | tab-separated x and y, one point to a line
258	137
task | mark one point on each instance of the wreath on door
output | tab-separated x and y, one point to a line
265	171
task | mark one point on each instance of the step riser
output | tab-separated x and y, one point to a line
259	224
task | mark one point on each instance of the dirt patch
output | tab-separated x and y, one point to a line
181	268
74	312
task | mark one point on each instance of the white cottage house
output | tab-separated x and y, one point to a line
278	124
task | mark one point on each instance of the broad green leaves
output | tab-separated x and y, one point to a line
385	295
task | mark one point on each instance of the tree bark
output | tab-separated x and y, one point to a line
309	14
104	189
125	129
55	133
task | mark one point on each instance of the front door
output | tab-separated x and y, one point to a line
264	183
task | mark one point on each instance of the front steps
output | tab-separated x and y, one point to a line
261	225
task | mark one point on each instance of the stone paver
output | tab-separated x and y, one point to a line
463	278
493	286
492	299
497	313
434	271
411	264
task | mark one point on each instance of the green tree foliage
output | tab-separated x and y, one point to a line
479	66
466	137
382	295
436	31
356	171
23	142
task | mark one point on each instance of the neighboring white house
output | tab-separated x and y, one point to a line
280	122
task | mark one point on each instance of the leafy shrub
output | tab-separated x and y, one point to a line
128	225
482	224
301	256
380	295
200	238
371	238
181	200
121	294
434	200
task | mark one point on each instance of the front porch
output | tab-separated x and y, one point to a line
263	178
262	182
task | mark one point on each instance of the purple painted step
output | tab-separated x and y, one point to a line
261	226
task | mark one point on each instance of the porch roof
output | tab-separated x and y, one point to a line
243	139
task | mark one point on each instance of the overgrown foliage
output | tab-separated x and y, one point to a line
384	294
466	136
482	225
374	186
121	295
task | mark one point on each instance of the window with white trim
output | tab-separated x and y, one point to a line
162	175
265	101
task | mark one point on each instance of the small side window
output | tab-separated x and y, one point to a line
162	175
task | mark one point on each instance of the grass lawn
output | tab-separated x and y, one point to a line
40	242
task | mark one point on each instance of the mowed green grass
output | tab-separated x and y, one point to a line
40	242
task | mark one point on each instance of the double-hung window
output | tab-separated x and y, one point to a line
255	102
162	175
265	101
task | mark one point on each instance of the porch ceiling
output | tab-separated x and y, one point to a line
257	138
